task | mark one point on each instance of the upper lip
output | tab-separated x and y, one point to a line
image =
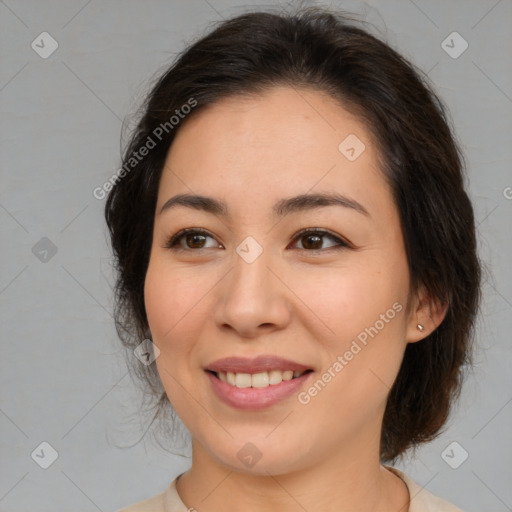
262	363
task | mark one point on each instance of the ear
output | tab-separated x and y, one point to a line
427	312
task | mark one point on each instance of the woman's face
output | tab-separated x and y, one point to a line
250	286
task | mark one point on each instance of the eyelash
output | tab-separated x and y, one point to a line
342	244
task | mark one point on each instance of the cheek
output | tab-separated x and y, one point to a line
363	306
169	299
347	300
177	308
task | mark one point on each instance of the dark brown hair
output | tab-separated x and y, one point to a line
325	51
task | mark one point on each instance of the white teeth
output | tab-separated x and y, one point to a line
288	375
258	380
243	380
275	377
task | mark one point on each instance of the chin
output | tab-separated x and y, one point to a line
258	455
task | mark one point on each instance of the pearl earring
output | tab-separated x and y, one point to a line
420	327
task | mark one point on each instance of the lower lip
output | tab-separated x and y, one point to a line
255	398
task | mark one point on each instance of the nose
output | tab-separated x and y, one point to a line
252	299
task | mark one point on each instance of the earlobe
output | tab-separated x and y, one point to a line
426	316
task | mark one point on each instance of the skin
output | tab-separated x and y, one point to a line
292	301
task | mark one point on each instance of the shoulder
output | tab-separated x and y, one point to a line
154	504
421	499
167	501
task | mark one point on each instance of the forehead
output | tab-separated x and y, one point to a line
282	142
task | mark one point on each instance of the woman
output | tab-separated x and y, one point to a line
293	235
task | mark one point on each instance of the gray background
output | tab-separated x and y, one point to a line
63	379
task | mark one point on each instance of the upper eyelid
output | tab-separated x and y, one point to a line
174	239
326	233
323	231
182	232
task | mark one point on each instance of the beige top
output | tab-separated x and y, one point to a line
169	500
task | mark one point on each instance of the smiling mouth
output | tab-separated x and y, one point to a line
258	380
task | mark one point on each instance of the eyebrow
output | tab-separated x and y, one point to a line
281	208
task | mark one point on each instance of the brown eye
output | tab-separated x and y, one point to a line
195	241
191	239
312	240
